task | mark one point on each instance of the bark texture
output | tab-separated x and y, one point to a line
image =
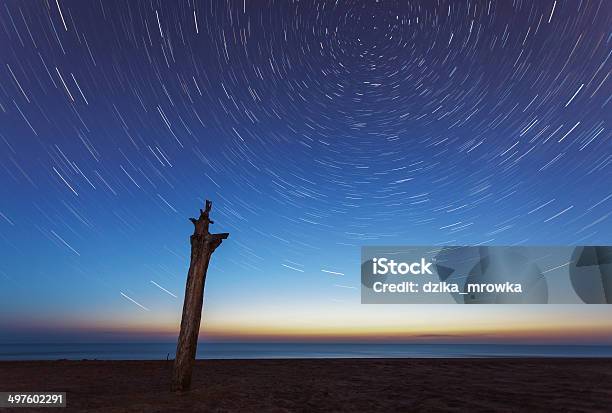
203	244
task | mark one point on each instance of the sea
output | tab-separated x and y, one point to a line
216	350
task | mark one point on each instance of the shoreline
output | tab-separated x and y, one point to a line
158	351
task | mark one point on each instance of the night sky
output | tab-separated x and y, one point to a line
314	127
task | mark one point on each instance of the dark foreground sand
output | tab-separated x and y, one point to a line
349	385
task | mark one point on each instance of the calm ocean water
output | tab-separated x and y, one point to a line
159	351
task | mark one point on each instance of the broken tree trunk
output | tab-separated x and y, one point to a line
203	244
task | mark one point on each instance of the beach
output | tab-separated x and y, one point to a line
321	385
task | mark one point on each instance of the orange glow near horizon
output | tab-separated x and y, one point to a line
423	324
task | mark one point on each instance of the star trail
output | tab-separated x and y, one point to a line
315	127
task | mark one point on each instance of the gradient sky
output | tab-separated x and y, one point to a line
315	128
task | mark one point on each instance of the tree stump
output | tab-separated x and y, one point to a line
203	244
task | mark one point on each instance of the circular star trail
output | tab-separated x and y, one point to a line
315	127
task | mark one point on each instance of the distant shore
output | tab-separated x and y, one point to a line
350	385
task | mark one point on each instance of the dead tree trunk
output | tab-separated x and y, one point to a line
203	244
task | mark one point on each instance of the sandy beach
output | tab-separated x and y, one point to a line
339	385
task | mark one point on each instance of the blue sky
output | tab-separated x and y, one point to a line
315	129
